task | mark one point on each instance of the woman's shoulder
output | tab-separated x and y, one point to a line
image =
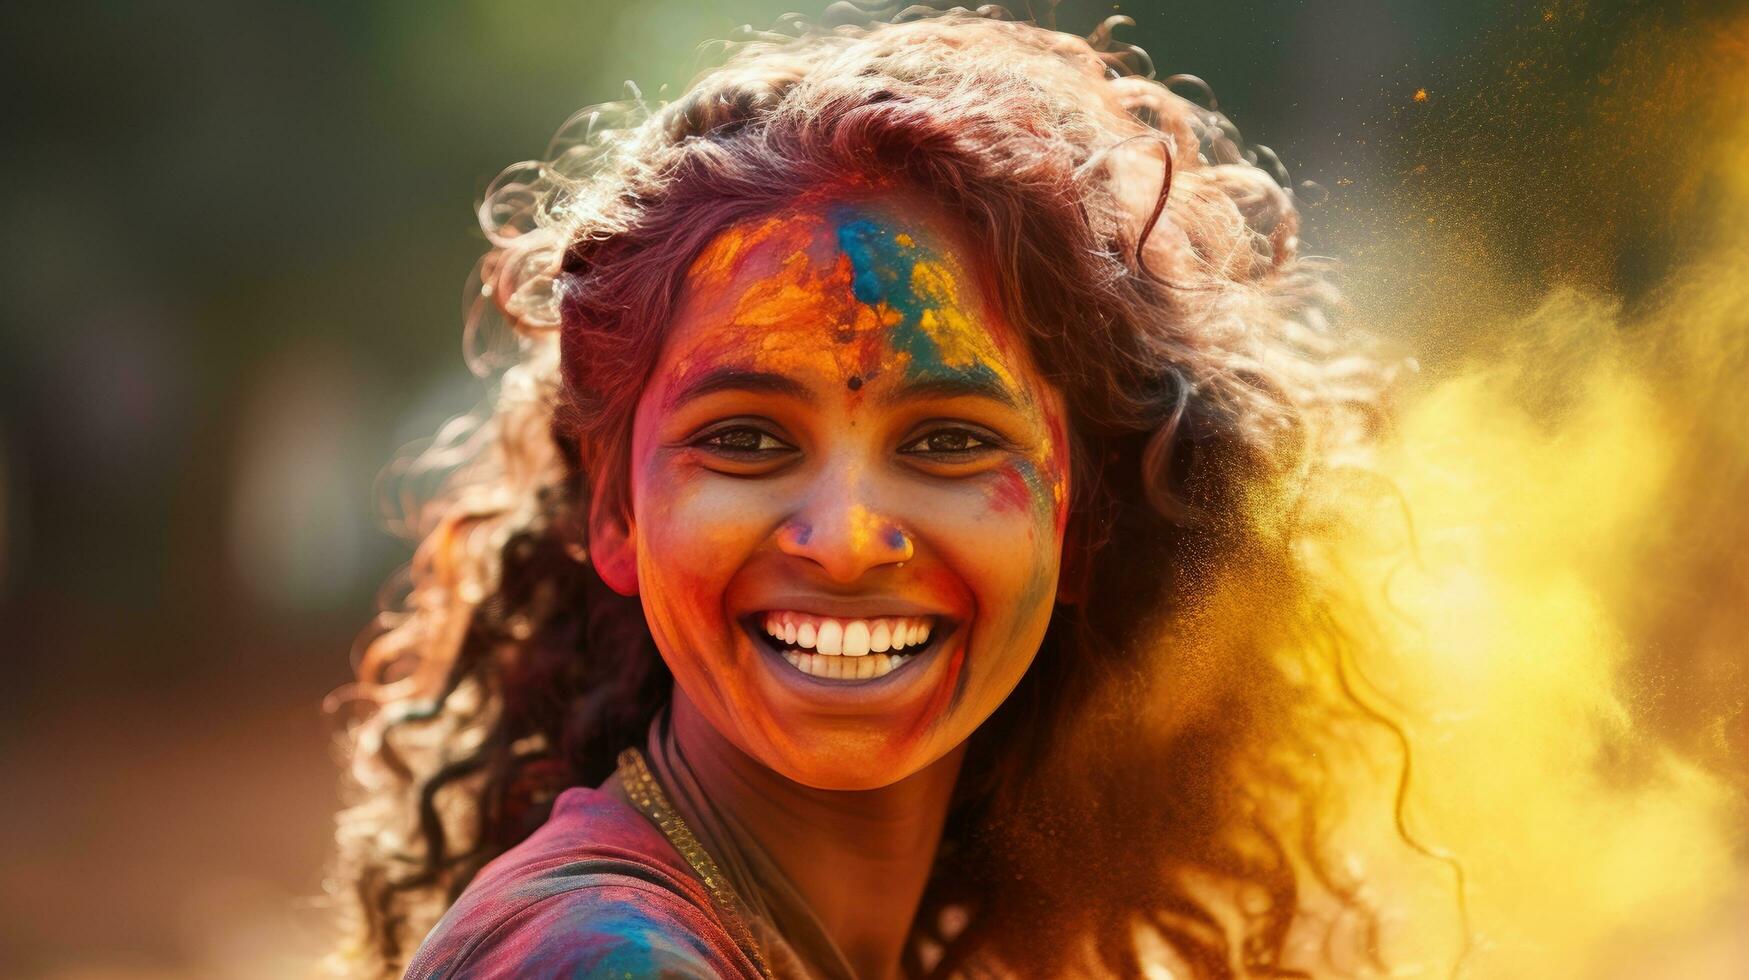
597	891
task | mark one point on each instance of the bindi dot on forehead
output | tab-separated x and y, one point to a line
855	382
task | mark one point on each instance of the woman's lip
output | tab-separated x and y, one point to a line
873	607
849	695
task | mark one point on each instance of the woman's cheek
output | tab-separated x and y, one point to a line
1026	494
1007	543
692	510
696	529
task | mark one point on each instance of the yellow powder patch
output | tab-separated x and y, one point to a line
717	261
962	343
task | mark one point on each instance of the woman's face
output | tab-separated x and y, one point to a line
848	493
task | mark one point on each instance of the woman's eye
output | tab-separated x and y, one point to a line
948	442
742	440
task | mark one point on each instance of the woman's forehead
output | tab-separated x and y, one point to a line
862	289
818	228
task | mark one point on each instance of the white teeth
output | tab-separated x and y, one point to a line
856	638
846	637
843	668
831	637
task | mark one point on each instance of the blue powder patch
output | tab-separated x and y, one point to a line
882	270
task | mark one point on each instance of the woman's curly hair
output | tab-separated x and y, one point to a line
1163	773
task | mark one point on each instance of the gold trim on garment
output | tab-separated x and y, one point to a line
646	794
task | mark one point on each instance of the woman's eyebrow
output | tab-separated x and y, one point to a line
957	385
741	379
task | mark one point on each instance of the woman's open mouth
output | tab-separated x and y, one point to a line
846	649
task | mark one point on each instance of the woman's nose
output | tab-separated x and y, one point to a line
846	538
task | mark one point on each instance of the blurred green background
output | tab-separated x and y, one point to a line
235	240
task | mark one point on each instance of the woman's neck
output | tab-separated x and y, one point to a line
860	859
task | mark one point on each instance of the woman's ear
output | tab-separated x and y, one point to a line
613	549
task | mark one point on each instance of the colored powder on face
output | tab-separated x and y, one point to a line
720	259
1021	486
865	528
778	293
1010	492
932	332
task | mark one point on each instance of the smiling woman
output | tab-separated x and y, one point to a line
884	556
845	443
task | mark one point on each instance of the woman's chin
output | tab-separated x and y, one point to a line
846	761
845	733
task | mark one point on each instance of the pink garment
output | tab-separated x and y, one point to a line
597	891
